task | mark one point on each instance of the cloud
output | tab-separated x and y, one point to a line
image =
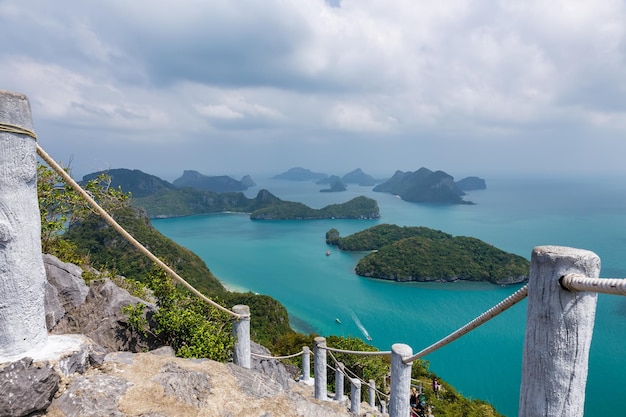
426	76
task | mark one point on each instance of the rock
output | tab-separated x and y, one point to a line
26	388
101	318
65	289
189	387
91	396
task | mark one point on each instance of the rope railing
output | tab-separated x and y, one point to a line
359	352
508	302
107	217
294	355
579	282
346	371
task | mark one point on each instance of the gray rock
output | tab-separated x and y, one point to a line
65	291
271	367
101	318
189	387
91	396
26	388
255	383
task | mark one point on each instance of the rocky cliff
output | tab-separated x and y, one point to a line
111	374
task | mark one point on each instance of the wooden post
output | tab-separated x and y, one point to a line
355	396
372	393
319	363
559	328
22	274
306	364
241	333
339	382
400	385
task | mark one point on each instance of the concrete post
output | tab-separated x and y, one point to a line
355	396
383	407
306	364
339	382
372	393
241	333
319	363
559	328
22	274
400	385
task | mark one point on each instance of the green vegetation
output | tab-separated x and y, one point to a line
71	231
357	208
423	254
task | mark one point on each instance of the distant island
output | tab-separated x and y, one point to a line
336	185
160	199
218	184
300	174
422	254
425	186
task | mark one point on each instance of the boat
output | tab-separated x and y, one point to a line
338	321
327	253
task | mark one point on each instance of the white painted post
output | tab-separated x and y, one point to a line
241	333
400	385
22	274
383	407
339	382
306	364
372	393
355	396
319	364
559	328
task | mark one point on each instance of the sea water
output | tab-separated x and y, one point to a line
287	260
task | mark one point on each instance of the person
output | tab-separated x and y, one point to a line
436	387
413	401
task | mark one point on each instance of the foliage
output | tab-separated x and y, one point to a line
357	208
269	318
61	207
423	254
191	326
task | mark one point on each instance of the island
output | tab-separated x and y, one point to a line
218	184
336	185
423	186
357	208
425	255
300	174
359	177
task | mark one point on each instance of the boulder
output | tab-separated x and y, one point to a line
101	318
65	289
27	387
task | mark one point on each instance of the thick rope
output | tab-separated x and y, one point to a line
127	236
355	352
510	301
345	370
256	355
578	282
11	128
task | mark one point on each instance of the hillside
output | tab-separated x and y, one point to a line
423	254
423	186
300	174
217	184
136	182
357	208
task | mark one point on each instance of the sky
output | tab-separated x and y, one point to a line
485	88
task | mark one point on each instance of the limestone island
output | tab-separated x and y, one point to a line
426	186
426	255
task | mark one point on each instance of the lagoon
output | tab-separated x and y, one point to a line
286	260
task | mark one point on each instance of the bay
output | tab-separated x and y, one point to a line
286	260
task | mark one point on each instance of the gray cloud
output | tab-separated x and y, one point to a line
474	87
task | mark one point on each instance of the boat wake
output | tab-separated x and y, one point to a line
360	325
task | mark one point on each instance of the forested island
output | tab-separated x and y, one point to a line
424	254
160	199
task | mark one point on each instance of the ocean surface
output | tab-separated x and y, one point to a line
286	260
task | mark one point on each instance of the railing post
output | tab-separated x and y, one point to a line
306	365
355	396
372	393
559	328
241	333
383	407
339	382
400	385
22	274
319	363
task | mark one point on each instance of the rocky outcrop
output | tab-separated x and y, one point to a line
90	382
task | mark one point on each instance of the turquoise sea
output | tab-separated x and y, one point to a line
286	260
